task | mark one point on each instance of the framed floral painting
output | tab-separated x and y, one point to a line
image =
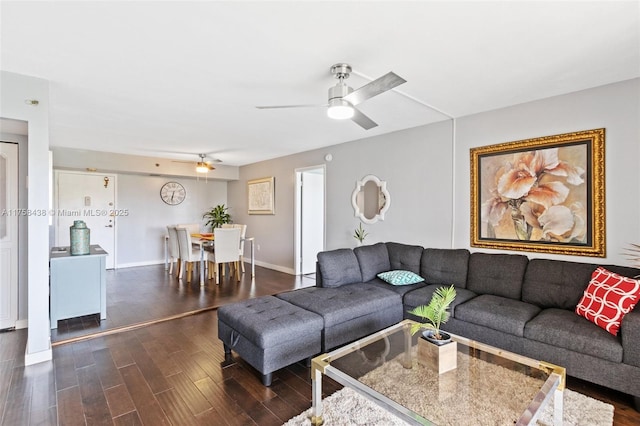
543	194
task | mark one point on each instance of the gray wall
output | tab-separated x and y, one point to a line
140	234
616	107
415	163
428	176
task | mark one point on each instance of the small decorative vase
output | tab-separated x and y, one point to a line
79	236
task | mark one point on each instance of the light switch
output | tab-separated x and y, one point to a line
87	201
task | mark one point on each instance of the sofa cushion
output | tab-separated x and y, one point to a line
497	274
339	267
372	259
555	283
268	321
565	329
423	295
338	305
400	277
404	256
498	313
445	266
608	298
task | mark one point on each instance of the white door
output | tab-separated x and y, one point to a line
8	234
311	217
89	197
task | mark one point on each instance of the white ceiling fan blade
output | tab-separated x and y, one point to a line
362	120
290	106
377	86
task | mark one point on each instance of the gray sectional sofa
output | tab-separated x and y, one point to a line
508	301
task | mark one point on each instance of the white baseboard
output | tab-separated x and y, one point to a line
22	324
37	357
134	264
278	268
247	260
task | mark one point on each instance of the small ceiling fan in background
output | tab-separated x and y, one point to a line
202	166
343	99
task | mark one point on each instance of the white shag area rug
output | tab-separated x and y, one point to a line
348	408
451	400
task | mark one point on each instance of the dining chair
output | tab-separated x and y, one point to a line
243	233
225	250
173	249
189	255
193	228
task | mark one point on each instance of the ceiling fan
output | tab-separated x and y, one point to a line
204	165
343	99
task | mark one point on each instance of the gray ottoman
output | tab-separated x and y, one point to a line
269	333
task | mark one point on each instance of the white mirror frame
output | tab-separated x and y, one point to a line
359	187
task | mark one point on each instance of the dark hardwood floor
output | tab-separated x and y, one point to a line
171	372
143	294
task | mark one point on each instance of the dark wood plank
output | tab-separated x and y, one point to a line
176	408
106	368
228	409
94	402
119	401
190	393
146	404
70	410
152	374
129	419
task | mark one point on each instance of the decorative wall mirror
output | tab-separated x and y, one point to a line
370	199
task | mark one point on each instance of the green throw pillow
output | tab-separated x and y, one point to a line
400	277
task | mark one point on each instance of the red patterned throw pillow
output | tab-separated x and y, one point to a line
608	298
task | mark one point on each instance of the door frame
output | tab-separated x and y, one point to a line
56	173
16	275
298	213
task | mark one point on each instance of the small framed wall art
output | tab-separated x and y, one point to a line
261	196
544	194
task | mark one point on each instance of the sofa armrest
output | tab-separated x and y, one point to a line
630	331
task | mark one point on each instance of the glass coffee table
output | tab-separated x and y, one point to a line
488	385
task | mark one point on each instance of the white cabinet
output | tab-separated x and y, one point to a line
77	284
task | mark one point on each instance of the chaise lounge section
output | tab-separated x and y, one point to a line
508	301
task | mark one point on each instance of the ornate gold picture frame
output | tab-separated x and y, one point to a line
261	196
544	194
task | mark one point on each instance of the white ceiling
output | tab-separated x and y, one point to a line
154	77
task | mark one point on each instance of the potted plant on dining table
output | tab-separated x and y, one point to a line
217	216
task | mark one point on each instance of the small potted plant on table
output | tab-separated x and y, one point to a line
435	347
217	216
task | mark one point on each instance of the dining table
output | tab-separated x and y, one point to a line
205	241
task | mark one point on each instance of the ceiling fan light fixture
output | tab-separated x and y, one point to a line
339	109
202	167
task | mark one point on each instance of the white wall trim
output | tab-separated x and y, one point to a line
37	357
278	268
22	323
135	264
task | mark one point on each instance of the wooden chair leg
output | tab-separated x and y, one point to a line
171	265
236	266
189	271
242	263
179	269
215	266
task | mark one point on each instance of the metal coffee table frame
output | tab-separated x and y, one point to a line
553	386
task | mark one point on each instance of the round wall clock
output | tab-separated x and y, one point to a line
173	193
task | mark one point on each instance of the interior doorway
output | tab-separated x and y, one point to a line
310	217
9	213
90	197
